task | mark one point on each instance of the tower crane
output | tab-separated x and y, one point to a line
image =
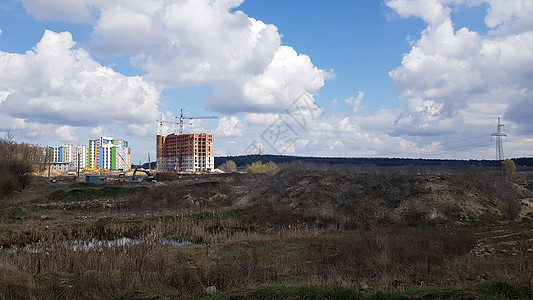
182	117
161	122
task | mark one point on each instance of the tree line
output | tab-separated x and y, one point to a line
17	162
244	160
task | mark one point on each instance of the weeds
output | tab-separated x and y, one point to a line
300	235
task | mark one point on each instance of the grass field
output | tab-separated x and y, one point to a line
297	234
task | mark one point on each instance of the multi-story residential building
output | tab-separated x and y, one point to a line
186	152
69	156
109	154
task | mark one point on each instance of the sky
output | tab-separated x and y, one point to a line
384	78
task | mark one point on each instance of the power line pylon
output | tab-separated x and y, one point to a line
499	135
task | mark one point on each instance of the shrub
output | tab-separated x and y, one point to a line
8	184
509	166
16	164
21	169
259	168
228	167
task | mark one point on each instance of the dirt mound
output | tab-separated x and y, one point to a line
350	200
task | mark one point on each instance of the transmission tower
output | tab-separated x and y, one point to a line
499	135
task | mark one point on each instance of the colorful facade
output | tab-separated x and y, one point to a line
109	154
75	155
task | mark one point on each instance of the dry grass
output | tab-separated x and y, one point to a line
282	236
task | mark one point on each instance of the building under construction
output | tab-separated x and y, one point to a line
186	152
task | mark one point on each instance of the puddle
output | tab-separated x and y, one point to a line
86	245
176	242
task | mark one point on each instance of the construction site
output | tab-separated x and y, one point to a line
184	152
108	159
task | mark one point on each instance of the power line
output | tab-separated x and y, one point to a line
519	141
446	150
465	139
467	147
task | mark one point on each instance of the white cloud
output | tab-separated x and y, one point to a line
205	42
288	75
191	42
229	127
57	83
114	32
450	79
431	11
4	94
357	136
72	11
66	133
337	146
509	17
197	125
450	76
260	119
97	132
355	103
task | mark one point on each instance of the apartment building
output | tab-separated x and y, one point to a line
109	154
186	152
69	156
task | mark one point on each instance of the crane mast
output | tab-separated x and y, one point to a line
159	153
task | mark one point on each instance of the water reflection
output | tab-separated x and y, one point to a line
86	245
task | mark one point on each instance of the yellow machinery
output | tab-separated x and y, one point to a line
121	177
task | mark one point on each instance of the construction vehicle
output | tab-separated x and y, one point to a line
149	175
121	177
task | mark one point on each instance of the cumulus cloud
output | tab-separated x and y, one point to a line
229	127
122	32
359	135
431	11
66	133
355	102
58	83
507	17
288	75
191	42
452	78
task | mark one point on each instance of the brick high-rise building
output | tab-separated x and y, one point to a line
186	152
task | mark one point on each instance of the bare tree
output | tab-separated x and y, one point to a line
228	167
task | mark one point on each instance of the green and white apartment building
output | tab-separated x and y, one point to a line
104	153
109	154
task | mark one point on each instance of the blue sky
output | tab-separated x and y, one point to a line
391	78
